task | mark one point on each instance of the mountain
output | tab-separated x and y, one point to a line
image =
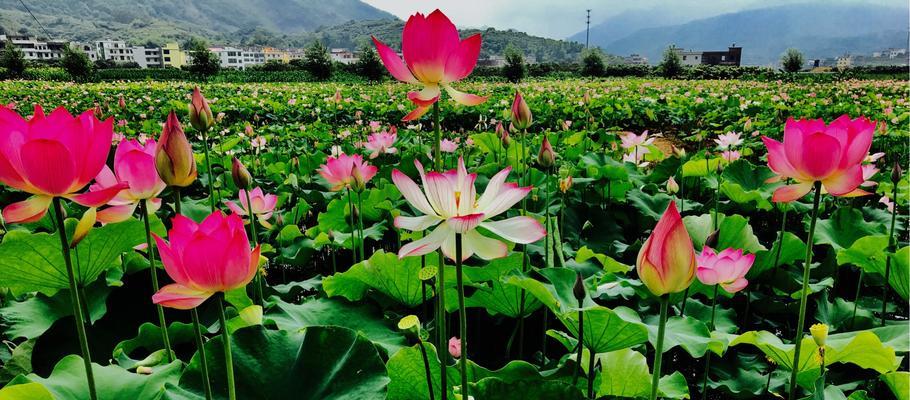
622	24
158	21
355	34
819	30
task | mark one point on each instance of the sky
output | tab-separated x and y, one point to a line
559	19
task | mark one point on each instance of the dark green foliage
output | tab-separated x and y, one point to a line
13	60
592	64
204	63
671	66
369	66
77	64
514	70
316	61
792	60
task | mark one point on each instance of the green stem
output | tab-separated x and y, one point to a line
257	282
426	367
704	382
859	285
546	211
74	298
591	360
581	341
437	155
441	291
659	348
360	223
797	341
682	307
176	199
892	244
780	242
353	226
200	347
228	357
165	337
208	166
462	319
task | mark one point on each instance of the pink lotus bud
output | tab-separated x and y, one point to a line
455	347
240	174
200	113
521	113
666	261
546	157
174	155
672	186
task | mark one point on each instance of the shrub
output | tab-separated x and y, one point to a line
514	70
316	61
369	66
77	64
13	60
671	66
593	64
204	63
792	60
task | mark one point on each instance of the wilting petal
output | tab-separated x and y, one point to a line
415	224
517	229
26	211
463	98
788	193
114	214
844	182
415	113
393	63
98	197
427	244
485	247
412	192
180	297
462	61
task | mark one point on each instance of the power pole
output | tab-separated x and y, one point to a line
588	30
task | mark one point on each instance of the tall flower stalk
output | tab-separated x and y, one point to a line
892	241
202	120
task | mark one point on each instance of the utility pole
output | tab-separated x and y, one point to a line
588	30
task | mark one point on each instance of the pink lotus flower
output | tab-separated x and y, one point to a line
869	171
637	157
887	202
435	57
381	143
812	152
347	172
204	259
666	262
447	146
53	156
730	155
727	269
134	165
630	140
455	347
728	140
263	205
449	202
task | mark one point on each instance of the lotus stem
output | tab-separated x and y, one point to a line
803	295
659	348
441	290
257	283
200	347
228	357
892	246
591	360
165	337
704	383
353	226
74	298
426	366
208	166
780	242
462	319
360	223
581	340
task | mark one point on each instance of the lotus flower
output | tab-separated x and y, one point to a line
204	259
53	156
455	347
134	165
629	140
381	143
447	146
869	171
728	140
347	172
730	155
727	268
450	203
666	262
812	152
434	56
263	205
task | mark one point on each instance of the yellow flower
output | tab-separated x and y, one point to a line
819	334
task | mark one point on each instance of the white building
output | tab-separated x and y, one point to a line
114	50
147	57
689	57
343	56
229	57
637	59
253	57
845	61
35	49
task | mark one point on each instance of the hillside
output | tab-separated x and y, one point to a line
818	30
139	21
355	34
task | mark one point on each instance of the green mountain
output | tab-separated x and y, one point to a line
356	34
141	21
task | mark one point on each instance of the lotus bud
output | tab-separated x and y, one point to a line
579	288
201	117
819	334
503	135
748	125
174	155
896	173
455	347
672	186
121	102
99	113
546	157
666	262
679	151
521	113
240	174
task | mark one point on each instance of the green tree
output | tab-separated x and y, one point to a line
792	60
77	64
671	66
316	61
369	66
514	69
13	60
593	63
204	63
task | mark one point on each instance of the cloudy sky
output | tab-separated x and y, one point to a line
562	18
